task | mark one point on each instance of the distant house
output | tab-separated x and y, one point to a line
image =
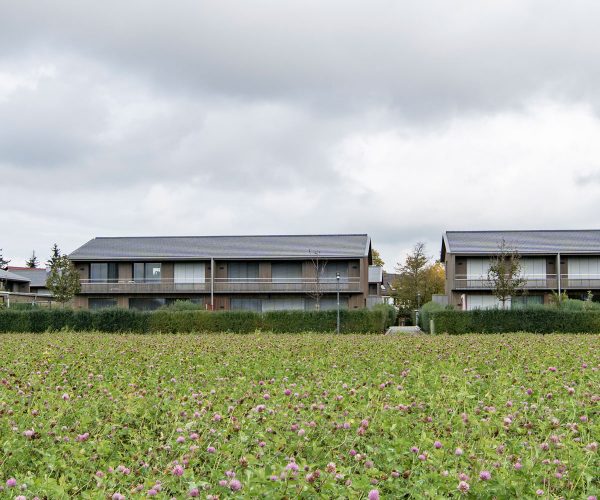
552	261
37	278
375	283
11	282
258	273
388	287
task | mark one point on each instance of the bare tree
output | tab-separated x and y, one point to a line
505	273
318	266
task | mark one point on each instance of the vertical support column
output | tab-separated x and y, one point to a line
212	284
558	281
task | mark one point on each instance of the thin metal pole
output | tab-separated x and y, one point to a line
337	277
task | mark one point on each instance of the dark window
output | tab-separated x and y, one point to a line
102	303
103	272
526	300
242	270
327	303
246	304
147	271
333	267
286	271
146	304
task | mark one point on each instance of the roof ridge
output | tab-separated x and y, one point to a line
236	236
526	231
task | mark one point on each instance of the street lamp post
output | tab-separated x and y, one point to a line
337	277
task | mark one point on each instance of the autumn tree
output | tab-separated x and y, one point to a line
505	273
377	260
419	278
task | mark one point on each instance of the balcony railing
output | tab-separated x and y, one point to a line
286	285
142	286
535	281
234	285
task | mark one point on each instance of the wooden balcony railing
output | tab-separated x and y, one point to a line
286	285
144	286
532	282
232	285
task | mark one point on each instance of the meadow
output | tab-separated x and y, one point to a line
299	416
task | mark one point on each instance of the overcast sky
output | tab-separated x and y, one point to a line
398	119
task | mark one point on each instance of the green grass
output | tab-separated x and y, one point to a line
96	415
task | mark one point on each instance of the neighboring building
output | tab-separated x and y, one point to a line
388	287
552	261
11	282
37	278
259	273
375	285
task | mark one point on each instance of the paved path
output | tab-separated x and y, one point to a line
402	330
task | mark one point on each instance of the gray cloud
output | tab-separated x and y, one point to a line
400	119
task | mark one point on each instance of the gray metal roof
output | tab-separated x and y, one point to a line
8	276
37	277
223	247
375	274
524	242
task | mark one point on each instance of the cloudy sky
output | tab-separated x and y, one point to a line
400	119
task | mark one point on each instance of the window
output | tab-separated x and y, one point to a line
242	270
283	304
534	271
146	271
104	272
477	269
327	303
144	304
102	303
189	273
333	268
484	302
526	300
245	304
286	271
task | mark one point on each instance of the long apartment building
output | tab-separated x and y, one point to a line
258	273
552	261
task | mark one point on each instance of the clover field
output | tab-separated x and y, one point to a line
299	416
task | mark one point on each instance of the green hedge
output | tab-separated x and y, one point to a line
167	321
534	320
425	314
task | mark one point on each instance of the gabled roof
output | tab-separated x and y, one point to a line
224	247
36	276
8	276
375	274
584	241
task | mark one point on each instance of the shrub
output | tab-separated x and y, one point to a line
534	320
391	312
425	314
183	305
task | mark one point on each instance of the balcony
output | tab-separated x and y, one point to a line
268	285
535	282
227	285
144	286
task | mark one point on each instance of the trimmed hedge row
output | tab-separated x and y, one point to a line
126	320
534	320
